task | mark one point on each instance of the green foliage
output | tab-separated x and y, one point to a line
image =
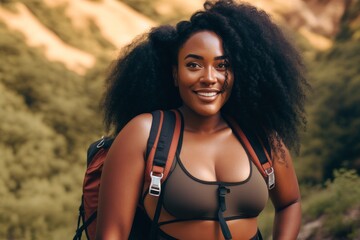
332	140
266	219
338	204
30	164
350	25
49	115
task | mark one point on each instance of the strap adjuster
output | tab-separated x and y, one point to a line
271	177
155	185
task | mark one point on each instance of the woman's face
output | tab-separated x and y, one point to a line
201	73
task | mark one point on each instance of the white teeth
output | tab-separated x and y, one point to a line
207	94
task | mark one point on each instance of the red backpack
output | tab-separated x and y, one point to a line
162	145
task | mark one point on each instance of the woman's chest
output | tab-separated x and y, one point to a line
218	157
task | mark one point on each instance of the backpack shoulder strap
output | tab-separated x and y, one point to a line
162	146
259	151
154	131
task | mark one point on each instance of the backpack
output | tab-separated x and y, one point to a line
161	149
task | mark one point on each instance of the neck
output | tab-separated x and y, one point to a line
196	123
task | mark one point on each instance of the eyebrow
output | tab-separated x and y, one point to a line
200	57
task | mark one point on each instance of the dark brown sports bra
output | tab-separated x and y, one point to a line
186	197
189	198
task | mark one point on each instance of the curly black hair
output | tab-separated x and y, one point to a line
269	89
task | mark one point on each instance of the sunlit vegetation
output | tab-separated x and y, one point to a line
48	116
337	206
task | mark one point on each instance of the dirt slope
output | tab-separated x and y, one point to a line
317	20
37	35
118	23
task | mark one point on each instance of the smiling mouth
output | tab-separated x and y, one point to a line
207	94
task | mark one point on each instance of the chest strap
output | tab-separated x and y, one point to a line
222	191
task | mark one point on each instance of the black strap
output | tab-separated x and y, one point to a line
155	221
257	145
166	135
153	131
81	216
81	209
258	235
79	231
222	191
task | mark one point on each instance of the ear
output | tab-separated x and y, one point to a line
175	76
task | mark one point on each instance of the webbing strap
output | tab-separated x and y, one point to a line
163	151
257	145
222	191
164	143
153	131
155	221
84	226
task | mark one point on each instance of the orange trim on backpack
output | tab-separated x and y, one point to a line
157	169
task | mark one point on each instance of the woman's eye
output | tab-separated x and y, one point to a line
223	66
192	65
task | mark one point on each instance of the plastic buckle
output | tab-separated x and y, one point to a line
271	177
101	143
155	185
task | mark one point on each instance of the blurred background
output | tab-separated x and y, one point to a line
55	54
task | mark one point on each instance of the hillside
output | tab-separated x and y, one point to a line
54	59
118	23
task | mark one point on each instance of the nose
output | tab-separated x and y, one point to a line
209	76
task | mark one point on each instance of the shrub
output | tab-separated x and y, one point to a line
338	203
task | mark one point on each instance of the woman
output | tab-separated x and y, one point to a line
229	59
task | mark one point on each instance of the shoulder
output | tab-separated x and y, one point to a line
137	127
135	133
140	122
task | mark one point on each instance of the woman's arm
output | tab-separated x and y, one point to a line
122	180
286	198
